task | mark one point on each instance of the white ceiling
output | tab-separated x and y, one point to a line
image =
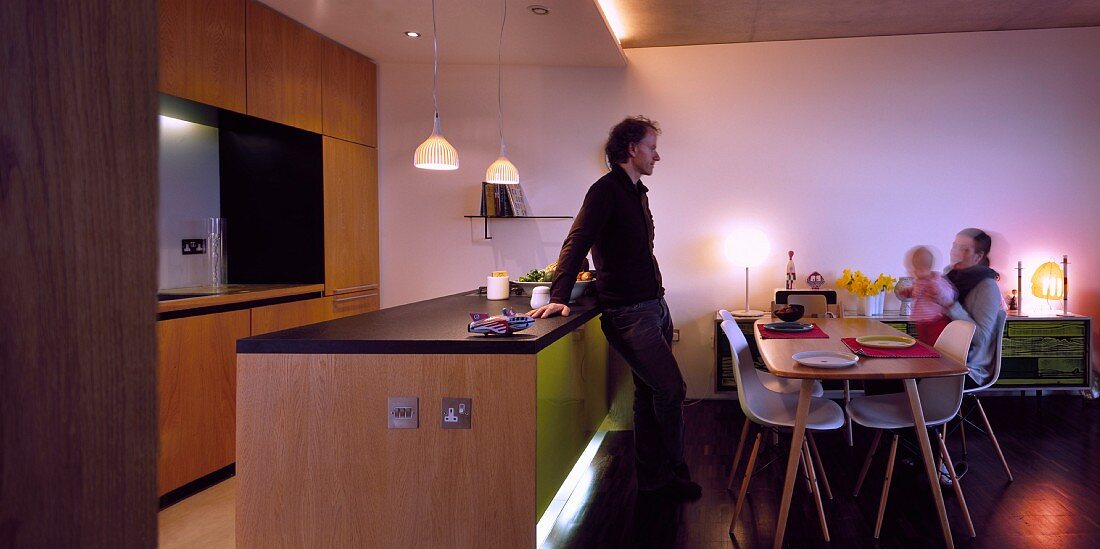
574	33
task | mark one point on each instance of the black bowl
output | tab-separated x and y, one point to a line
790	313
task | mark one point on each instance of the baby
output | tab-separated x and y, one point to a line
932	294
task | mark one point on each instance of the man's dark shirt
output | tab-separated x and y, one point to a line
615	222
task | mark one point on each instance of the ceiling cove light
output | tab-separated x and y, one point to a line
435	153
502	170
614	20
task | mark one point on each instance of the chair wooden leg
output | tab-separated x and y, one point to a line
847	420
956	484
820	466
886	485
737	454
867	462
962	430
815	490
745	482
805	474
996	445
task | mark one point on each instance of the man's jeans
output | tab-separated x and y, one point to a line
642	334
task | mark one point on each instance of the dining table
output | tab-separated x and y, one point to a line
777	355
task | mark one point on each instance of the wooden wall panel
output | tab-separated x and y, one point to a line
350	95
312	429
284	69
197	392
78	196
351	217
202	51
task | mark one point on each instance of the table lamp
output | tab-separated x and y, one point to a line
1052	282
747	248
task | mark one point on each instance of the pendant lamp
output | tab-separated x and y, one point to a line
435	153
501	171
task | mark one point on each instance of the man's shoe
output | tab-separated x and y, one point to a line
681	471
678	489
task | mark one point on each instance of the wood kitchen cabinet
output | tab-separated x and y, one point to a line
350	95
283	69
351	217
196	388
202	51
283	316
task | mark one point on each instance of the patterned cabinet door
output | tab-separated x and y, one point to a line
1042	353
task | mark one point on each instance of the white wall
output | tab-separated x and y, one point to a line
847	151
189	193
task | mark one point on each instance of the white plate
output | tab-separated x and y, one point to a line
825	359
887	341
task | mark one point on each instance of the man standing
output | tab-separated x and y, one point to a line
616	224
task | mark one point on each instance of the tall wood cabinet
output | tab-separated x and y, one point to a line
196	389
243	56
349	84
351	217
202	51
283	68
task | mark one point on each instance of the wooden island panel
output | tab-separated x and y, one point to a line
312	429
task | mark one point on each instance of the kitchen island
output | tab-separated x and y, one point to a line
318	466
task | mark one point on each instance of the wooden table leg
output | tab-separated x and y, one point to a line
792	460
929	460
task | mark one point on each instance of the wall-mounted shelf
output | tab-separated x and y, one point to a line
488	217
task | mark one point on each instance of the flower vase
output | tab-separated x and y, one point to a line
863	305
879	301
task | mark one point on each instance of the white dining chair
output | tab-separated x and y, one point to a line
771	383
940	398
769	409
998	336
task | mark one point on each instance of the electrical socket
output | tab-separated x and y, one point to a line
675	334
193	246
457	413
403	413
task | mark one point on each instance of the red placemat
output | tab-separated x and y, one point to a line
920	350
816	333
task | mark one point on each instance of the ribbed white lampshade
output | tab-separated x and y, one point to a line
436	153
502	171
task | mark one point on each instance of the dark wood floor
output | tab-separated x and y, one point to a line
1052	444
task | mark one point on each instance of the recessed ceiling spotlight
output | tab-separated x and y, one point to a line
539	10
412	34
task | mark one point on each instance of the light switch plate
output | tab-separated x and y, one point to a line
403	413
457	413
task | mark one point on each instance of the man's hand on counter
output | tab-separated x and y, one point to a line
549	310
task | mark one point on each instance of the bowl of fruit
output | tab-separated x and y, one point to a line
790	313
543	277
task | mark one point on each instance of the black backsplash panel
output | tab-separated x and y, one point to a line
272	197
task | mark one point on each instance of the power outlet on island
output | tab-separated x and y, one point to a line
457	413
403	413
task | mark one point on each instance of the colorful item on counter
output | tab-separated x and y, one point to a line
815	280
791	277
858	283
507	322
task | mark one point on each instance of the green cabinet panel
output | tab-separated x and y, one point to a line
572	402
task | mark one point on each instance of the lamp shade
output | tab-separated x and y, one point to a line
436	153
747	247
1048	281
502	171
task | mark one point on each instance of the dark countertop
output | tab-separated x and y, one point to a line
435	326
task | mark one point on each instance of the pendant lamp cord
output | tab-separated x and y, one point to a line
500	100
435	66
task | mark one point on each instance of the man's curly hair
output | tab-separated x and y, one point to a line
626	133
